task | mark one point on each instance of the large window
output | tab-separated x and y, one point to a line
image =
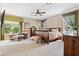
71	23
11	27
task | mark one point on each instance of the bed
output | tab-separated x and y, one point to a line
49	34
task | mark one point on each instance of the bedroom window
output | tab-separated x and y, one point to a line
71	23
11	27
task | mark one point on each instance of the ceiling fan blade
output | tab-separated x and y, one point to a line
38	13
43	12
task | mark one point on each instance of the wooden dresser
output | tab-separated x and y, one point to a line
71	45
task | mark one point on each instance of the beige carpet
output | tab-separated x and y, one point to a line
30	48
16	48
53	49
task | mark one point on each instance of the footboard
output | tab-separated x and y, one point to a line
42	33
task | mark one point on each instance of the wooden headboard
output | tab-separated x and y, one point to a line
50	29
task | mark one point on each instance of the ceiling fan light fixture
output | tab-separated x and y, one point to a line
38	13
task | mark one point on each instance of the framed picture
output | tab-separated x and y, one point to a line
26	25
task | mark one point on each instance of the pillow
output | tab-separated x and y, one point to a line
54	30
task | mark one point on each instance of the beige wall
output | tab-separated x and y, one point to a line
33	22
54	21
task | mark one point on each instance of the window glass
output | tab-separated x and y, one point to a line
11	27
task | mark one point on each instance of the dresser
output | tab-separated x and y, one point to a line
71	45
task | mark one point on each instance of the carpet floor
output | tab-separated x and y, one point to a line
31	48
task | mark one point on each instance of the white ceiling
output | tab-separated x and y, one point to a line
25	9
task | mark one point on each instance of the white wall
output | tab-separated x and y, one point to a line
54	21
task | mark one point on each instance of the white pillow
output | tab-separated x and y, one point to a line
54	30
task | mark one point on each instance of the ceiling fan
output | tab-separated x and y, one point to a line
38	13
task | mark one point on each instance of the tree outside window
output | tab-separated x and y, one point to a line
12	28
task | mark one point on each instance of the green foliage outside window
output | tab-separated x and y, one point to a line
11	28
16	29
